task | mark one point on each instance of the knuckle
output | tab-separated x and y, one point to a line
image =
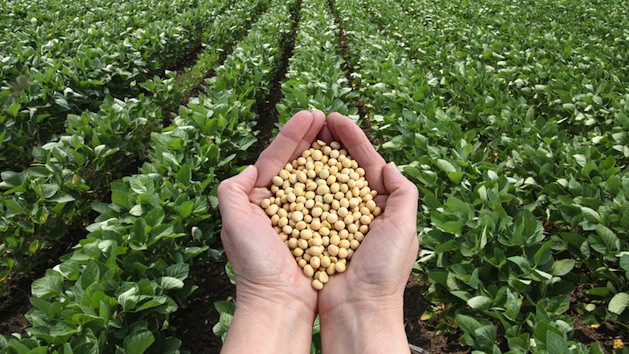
224	188
410	189
303	111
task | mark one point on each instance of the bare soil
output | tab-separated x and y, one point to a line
422	333
194	323
188	60
605	333
266	108
349	70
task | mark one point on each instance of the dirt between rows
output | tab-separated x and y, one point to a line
266	109
193	324
349	70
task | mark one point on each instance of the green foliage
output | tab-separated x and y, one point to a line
51	199
119	286
315	77
53	67
511	117
523	196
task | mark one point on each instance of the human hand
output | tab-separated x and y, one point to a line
362	309
276	302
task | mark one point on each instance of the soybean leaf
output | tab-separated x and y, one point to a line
480	302
556	343
563	267
618	303
48	286
138	342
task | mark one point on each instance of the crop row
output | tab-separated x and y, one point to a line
44	75
120	285
517	212
315	80
566	72
315	77
461	46
581	140
55	17
50	201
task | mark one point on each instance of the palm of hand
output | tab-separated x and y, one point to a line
264	265
375	272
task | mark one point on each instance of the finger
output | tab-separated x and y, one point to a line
355	141
318	122
258	194
233	194
402	200
381	201
300	130
325	134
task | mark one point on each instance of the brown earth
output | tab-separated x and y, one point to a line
349	70
266	108
423	333
194	323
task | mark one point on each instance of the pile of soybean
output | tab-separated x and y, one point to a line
321	208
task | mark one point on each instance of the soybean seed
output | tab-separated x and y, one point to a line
321	207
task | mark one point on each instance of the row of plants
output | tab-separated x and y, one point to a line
118	288
571	71
50	201
56	16
488	47
519	214
315	77
45	75
571	145
315	80
74	34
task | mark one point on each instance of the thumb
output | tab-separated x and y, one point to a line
233	193
403	196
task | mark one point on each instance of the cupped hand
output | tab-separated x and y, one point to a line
358	307
370	292
269	283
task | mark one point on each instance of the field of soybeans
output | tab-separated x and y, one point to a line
119	118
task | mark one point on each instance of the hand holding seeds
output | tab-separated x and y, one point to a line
363	307
320	221
272	293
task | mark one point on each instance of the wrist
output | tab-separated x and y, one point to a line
255	299
267	322
364	326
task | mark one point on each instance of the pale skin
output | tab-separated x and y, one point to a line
361	310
